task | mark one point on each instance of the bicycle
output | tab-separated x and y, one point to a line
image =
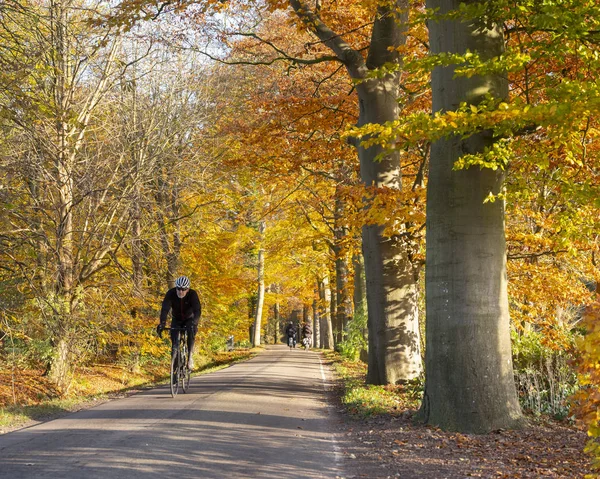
180	373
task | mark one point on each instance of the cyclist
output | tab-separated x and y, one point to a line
186	310
290	331
306	335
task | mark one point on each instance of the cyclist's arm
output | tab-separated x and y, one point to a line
196	308
165	308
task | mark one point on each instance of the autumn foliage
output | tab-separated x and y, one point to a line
165	163
586	402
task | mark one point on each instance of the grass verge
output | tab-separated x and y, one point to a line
28	396
364	400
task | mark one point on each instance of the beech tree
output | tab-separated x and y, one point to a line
469	374
394	345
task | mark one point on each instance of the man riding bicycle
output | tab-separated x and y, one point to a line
290	331
186	310
306	335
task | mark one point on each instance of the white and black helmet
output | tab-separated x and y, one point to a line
183	282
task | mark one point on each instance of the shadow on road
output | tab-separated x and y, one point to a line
266	418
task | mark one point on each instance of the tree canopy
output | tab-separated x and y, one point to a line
291	143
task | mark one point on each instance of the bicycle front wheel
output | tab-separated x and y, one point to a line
175	374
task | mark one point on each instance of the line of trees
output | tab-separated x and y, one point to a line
281	159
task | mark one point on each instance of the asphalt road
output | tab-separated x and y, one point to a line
264	418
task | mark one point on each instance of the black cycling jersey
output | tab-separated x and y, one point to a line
184	309
290	330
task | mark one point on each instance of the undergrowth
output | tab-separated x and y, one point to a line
366	400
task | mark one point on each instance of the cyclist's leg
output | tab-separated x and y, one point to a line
174	374
174	337
192	329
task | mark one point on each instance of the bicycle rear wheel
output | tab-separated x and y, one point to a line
175	376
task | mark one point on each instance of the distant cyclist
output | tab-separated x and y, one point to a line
185	306
290	331
306	335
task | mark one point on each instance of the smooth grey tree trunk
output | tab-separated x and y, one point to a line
394	343
469	374
391	279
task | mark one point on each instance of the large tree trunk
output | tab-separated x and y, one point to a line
469	382
343	312
61	365
391	279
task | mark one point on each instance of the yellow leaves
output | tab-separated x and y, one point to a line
399	211
587	400
491	198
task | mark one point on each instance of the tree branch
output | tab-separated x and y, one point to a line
351	58
535	255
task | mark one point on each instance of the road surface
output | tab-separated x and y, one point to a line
264	418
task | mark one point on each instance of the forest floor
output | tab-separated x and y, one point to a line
394	446
383	440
